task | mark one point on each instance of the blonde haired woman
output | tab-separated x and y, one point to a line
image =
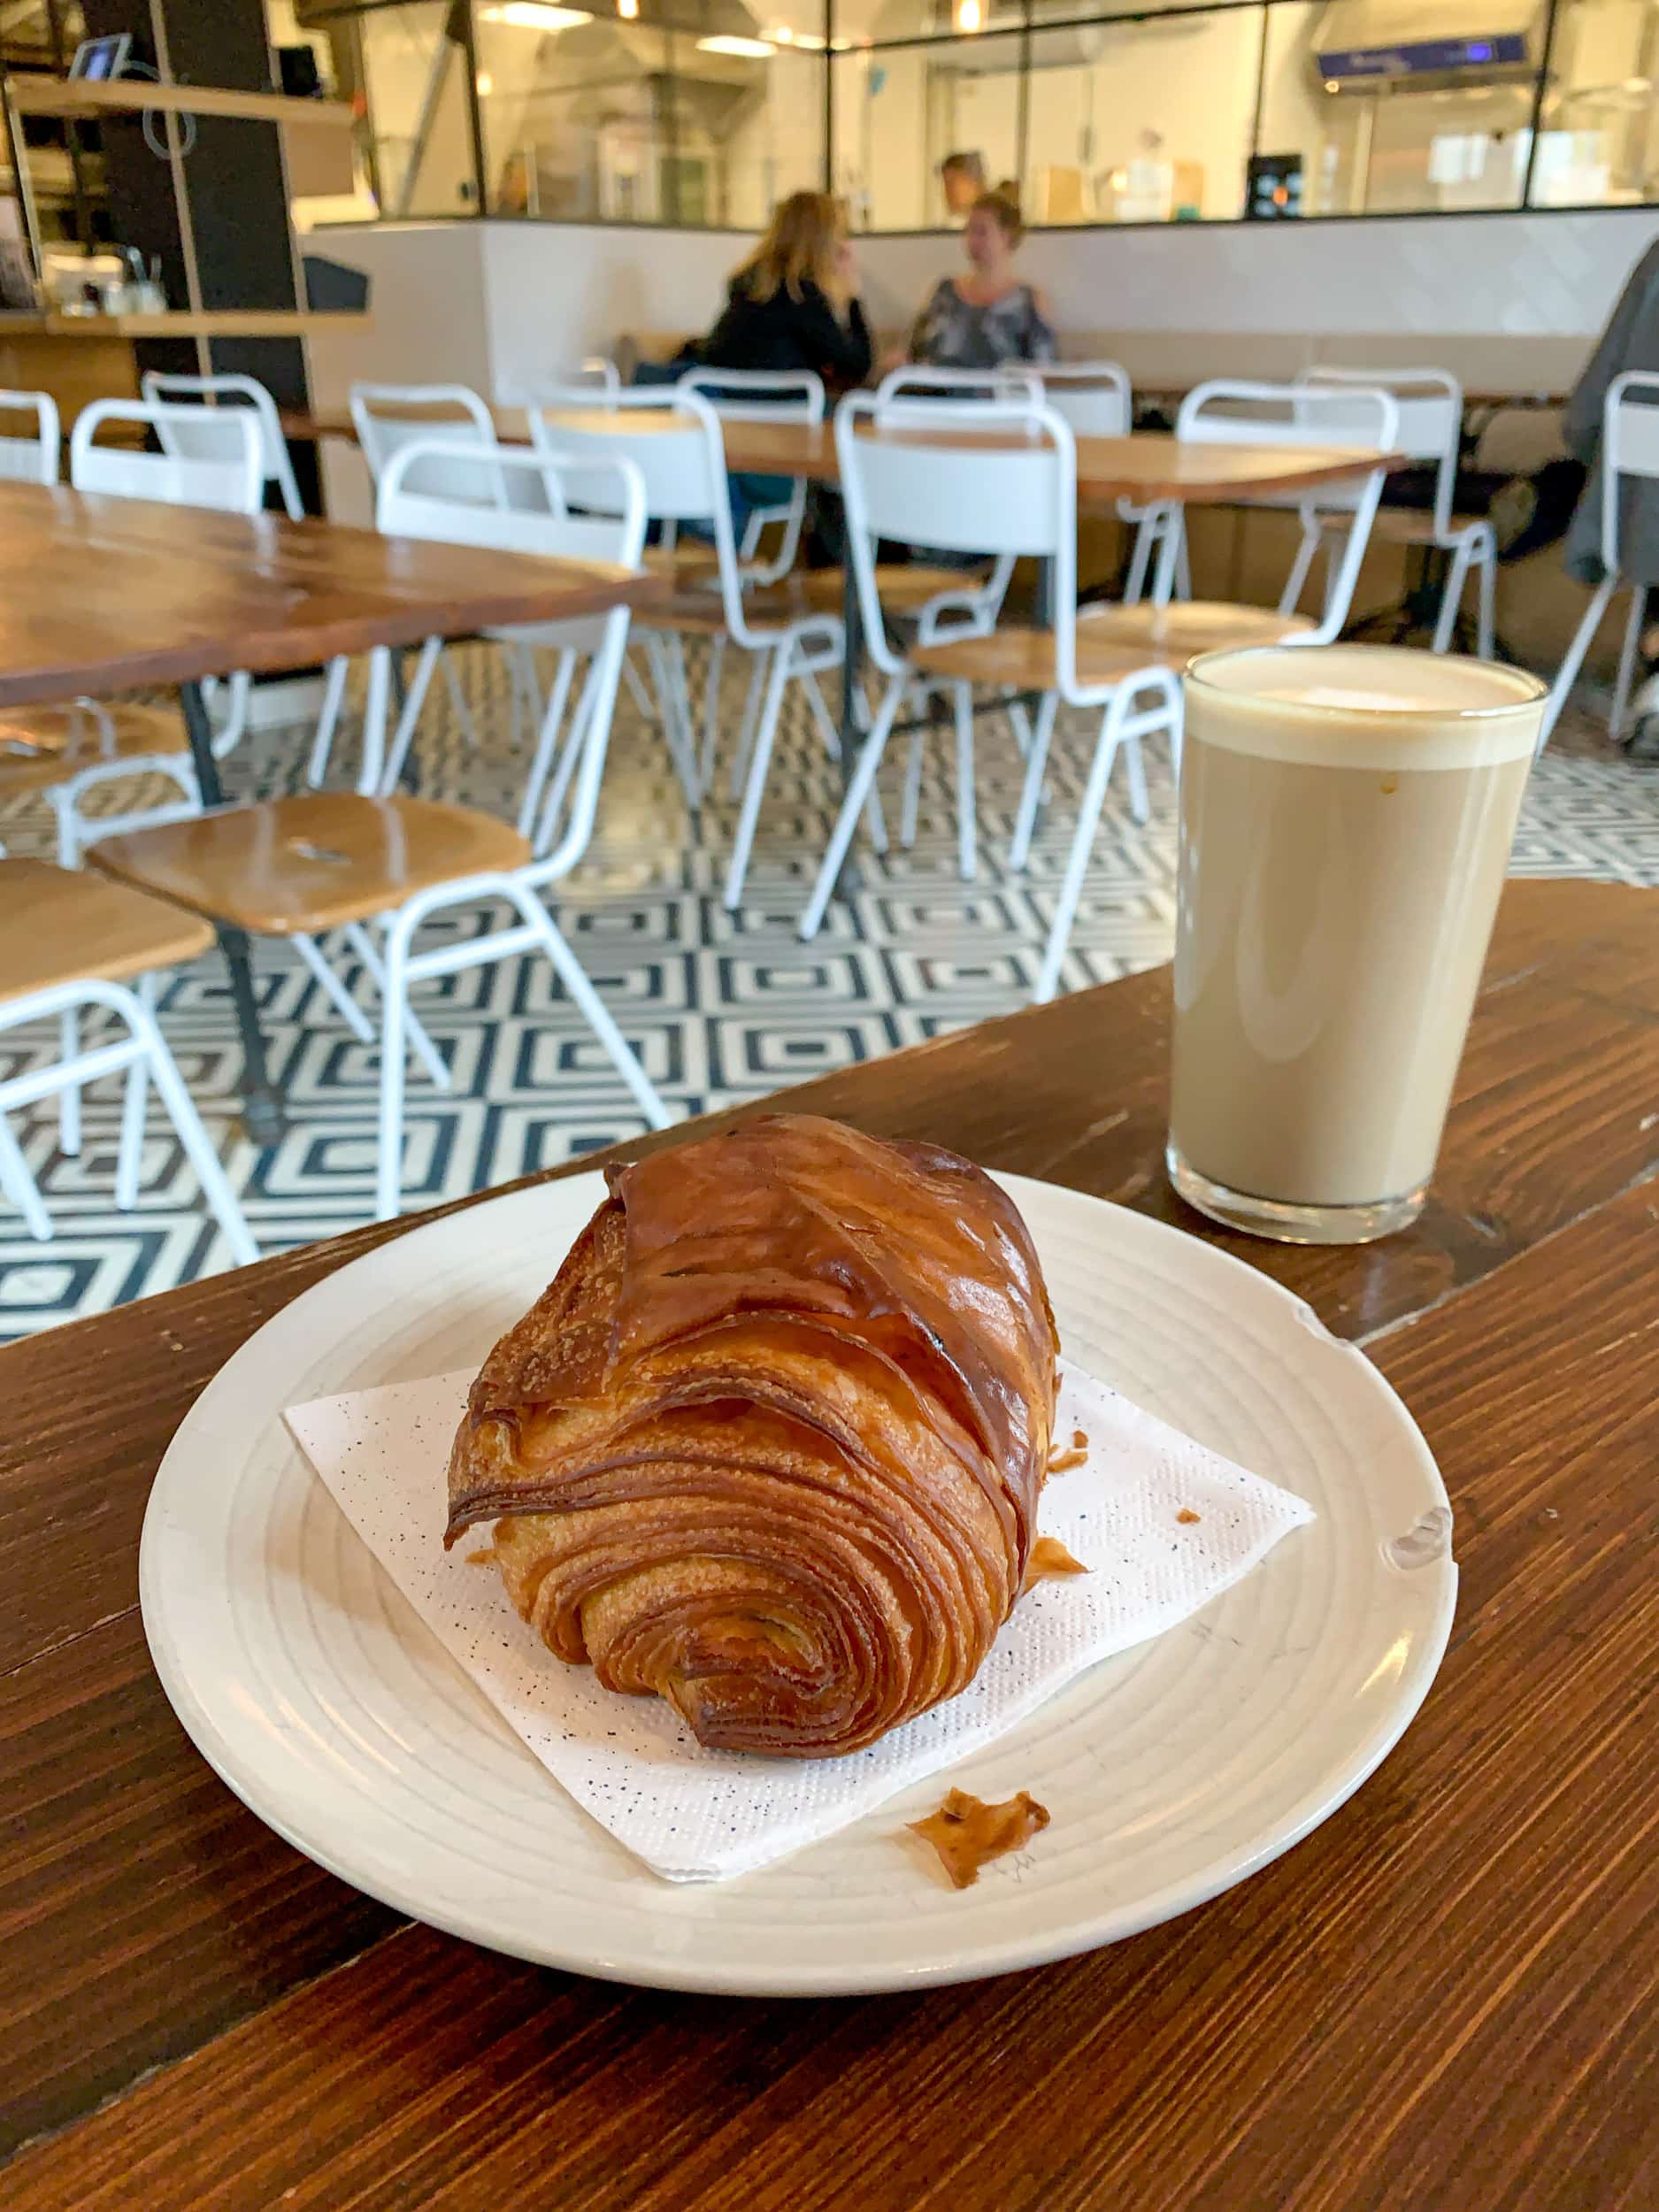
792	304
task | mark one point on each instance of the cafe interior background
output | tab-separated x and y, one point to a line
1240	189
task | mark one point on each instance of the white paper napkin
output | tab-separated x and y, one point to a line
697	1816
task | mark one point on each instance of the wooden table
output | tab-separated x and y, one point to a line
1444	2001
98	595
1147	465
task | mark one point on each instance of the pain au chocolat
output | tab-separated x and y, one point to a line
769	1446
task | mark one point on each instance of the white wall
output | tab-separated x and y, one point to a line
1524	294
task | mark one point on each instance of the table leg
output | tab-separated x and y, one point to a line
261	1100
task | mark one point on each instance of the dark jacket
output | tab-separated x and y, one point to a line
783	333
1631	341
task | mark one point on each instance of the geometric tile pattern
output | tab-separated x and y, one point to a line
720	1007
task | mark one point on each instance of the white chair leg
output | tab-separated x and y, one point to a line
596	1015
636	690
414	700
1183	562
1019	723
457	703
1031	793
1148	532
332	989
69	1104
182	1112
130	1157
388	1156
711	709
967	824
875	821
1082	839
911	805
681	744
1566	675
328	720
1486	590
420	1043
1627	661
375	708
864	776
1296	582
1135	769
570	755
19	1186
547	741
737	867
1452	597
674	654
746	723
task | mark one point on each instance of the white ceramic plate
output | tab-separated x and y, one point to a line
1170	1772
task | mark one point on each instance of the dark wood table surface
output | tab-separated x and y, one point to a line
99	594
1444	2000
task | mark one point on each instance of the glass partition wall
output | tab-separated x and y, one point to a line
704	112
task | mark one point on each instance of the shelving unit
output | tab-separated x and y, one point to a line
83	99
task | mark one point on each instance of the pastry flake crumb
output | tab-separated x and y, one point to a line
1186	1516
482	1557
968	1833
1049	1557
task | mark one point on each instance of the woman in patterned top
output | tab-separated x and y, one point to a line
988	316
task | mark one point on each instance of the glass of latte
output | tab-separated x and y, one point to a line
1346	817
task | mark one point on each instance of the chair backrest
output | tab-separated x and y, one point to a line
566	529
766	395
998	479
389	416
193	433
1430	403
232	479
1228	412
1237	411
571	528
917	380
1095	397
31	459
1630	446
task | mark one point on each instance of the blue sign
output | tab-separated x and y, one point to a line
1426	57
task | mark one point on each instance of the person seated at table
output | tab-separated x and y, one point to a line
988	316
793	303
961	180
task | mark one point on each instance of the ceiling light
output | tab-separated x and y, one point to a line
969	16
753	48
628	9
782	36
486	84
534	15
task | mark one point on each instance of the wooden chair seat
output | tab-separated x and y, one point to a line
1185	627
1025	659
1406	525
60	924
903	586
41	746
293	866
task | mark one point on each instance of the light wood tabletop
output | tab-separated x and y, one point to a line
1442	2000
1147	465
98	595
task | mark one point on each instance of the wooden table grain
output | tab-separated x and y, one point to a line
1443	2001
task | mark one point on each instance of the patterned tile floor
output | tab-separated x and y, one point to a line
720	1007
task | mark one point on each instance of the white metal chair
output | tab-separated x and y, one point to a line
1431	423
1630	447
684	472
301	866
755	395
1096	398
32	459
193	431
71	945
388	417
1018	501
1239	412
